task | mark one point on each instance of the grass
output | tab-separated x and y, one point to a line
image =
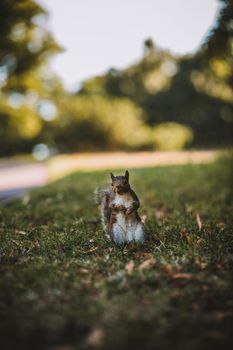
64	287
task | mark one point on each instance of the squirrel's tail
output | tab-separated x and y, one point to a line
102	199
100	195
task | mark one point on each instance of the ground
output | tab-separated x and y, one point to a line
64	287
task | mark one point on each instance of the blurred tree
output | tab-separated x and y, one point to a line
24	42
195	90
161	98
219	42
171	136
97	122
149	46
198	99
25	79
217	50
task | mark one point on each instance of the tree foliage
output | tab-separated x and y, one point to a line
25	79
195	90
98	122
24	42
162	101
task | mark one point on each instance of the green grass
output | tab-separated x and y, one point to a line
64	287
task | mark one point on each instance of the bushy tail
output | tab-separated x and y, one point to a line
102	199
100	195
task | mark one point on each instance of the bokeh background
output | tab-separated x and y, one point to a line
161	101
93	86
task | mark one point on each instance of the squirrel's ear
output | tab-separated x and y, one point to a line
127	175
112	176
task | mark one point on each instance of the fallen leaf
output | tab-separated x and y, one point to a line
143	219
175	294
22	233
167	268
200	263
200	240
15	242
95	337
205	288
145	255
221	315
221	226
195	307
147	264
181	276
160	213
129	267
183	232
198	220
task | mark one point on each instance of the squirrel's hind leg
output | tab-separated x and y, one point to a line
118	234
139	234
130	232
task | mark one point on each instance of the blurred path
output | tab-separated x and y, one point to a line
65	164
18	177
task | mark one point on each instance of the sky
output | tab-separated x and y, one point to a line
102	34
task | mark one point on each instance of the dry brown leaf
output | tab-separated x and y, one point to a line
181	276
221	315
129	267
175	294
23	233
195	307
145	255
201	263
147	264
221	226
167	268
148	255
183	232
15	242
198	220
143	219
95	337
160	213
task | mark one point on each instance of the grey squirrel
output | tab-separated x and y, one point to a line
118	207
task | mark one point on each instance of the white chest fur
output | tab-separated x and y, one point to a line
124	200
126	228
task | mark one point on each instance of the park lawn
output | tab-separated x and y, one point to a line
64	287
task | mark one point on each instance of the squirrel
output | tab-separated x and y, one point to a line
118	207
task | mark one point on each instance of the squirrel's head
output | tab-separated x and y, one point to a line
120	184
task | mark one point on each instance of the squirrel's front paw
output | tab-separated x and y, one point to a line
129	211
117	207
120	207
